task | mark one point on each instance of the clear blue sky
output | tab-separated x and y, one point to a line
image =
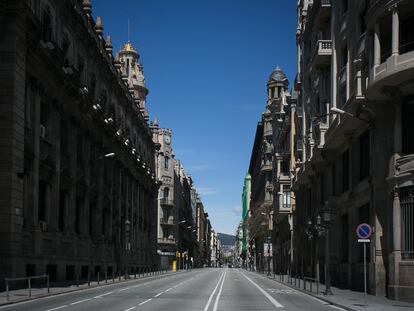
206	65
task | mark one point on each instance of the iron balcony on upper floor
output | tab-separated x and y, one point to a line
167	202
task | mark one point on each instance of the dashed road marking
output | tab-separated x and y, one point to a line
100	296
144	302
131	309
80	301
126	288
159	294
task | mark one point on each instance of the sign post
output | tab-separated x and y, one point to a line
364	232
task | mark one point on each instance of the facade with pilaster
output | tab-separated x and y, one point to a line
77	178
355	84
167	207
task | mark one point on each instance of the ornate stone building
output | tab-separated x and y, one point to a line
78	187
167	207
355	83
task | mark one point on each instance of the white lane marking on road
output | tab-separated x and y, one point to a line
80	301
169	289
130	309
212	294
57	308
100	296
144	302
271	299
159	294
126	288
335	307
219	293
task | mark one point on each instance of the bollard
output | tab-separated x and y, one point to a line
89	278
48	283
311	282
30	286
98	277
7	290
119	276
106	277
135	274
77	279
113	276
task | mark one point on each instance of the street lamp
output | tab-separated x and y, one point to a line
336	110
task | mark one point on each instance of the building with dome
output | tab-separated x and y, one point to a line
269	170
78	185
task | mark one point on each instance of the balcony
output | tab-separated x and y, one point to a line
321	12
323	53
170	241
405	166
394	71
167	221
167	202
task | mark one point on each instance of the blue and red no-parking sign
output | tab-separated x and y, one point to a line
364	231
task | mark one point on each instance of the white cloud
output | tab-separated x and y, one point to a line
237	210
206	191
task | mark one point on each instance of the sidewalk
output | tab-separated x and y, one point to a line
348	299
20	295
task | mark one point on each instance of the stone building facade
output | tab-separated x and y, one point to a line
355	84
78	187
167	207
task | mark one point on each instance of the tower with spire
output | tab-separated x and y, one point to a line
133	74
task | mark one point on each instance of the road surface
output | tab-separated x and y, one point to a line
203	289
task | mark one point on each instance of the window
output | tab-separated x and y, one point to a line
166	194
165	214
78	215
364	155
344	6
408	128
41	212
407	35
166	163
344	55
407	221
92	211
345	238
66	47
62	209
47	29
345	171
165	233
286	196
333	180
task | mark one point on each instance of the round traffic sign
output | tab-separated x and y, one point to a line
364	231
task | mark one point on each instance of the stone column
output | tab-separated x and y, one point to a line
395	30
395	256
377	45
396	222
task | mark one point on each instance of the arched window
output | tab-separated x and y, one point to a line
166	162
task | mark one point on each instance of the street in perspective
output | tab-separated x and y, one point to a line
265	161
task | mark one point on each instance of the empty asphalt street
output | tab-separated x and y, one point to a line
203	289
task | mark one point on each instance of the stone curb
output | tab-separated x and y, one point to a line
84	288
312	294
